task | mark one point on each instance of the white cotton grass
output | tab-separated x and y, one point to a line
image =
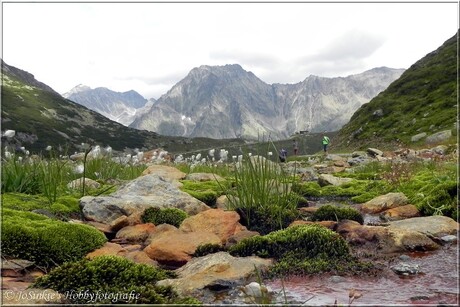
48	148
79	169
9	134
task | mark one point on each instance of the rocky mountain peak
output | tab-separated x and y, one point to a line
77	89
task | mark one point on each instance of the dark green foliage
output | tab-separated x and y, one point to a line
307	241
334	213
157	216
424	96
264	221
207	249
47	242
111	275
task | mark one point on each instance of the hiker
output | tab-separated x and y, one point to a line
283	155
296	147
326	142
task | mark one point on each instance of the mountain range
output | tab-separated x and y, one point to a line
119	107
228	102
423	100
41	117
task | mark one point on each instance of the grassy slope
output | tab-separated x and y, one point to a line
423	99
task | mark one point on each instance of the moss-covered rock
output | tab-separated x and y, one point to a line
157	216
357	190
308	241
334	213
206	191
64	206
114	278
46	241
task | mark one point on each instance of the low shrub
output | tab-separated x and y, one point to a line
45	241
334	213
114	277
157	216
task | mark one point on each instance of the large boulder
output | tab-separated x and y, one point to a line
384	240
438	137
435	226
222	223
136	196
176	248
219	270
384	202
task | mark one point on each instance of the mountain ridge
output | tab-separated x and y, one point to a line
117	106
227	101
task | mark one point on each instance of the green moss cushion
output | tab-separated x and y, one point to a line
45	241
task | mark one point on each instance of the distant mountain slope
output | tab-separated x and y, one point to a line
119	107
228	102
423	99
42	117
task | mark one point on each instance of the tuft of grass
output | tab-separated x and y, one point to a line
262	195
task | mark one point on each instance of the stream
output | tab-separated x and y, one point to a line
436	283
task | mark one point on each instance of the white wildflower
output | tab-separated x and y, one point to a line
270	153
211	152
48	148
240	158
108	149
9	133
79	169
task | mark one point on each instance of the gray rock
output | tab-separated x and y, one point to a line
404	258
439	137
220	267
326	179
418	137
432	226
136	196
375	152
403	268
449	239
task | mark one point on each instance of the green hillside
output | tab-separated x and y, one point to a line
423	99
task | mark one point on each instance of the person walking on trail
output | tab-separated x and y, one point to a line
326	142
296	147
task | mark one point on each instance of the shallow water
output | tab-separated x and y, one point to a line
436	283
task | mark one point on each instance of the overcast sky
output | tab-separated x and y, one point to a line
149	47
